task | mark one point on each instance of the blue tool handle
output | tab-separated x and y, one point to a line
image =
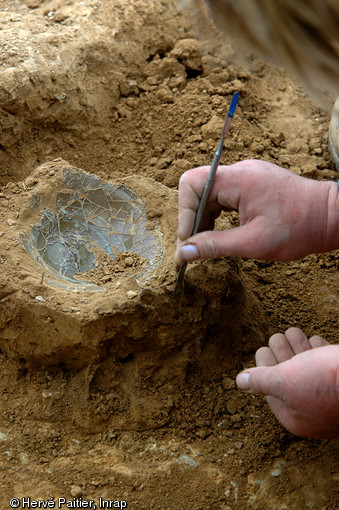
233	104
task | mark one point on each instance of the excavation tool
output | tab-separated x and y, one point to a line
209	182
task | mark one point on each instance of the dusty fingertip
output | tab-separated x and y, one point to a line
177	257
243	381
189	252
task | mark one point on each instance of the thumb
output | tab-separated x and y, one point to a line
243	241
262	381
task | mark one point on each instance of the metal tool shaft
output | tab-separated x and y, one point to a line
208	186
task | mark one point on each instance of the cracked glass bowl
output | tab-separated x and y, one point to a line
92	214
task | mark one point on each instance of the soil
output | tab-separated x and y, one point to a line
124	263
126	394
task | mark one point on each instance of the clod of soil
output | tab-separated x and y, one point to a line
60	222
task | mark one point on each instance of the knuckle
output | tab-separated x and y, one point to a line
185	178
212	249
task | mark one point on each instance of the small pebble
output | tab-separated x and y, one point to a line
76	491
39	298
131	294
10	222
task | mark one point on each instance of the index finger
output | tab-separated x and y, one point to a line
191	186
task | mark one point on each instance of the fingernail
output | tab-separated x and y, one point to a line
243	381
189	252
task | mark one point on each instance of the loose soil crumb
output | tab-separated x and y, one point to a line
107	269
125	394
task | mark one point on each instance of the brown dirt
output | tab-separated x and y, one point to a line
126	394
124	263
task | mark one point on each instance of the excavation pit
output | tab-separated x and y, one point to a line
87	283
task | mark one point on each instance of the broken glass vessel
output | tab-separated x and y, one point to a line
91	214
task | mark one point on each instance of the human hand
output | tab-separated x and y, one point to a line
300	380
282	216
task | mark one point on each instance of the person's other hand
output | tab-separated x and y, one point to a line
300	379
